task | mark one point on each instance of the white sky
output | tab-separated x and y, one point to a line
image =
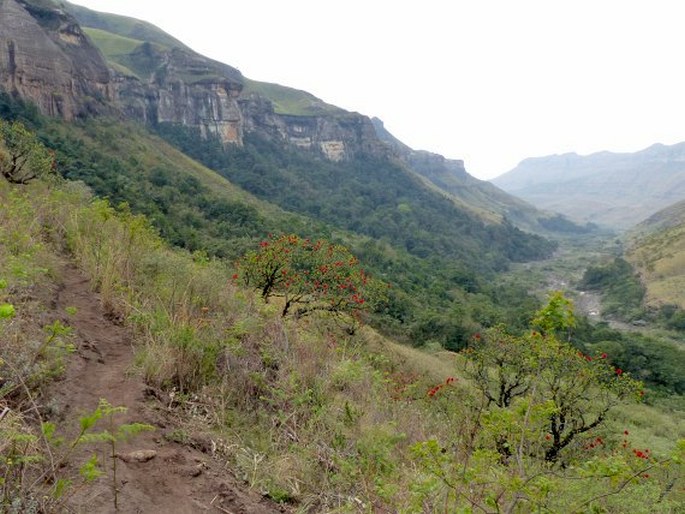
491	82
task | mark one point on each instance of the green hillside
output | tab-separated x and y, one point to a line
657	249
435	297
193	326
287	100
123	26
122	41
305	412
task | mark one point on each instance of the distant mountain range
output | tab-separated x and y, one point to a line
616	190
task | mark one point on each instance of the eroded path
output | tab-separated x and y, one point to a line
178	479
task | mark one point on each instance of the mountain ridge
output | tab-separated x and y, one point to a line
156	79
612	189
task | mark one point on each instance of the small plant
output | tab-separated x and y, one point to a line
112	435
7	311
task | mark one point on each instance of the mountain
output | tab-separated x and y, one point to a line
109	333
217	161
612	189
156	79
479	196
48	60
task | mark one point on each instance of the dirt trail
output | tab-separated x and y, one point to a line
179	479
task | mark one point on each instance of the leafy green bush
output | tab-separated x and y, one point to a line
622	292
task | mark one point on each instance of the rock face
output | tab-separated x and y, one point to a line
178	86
336	137
46	58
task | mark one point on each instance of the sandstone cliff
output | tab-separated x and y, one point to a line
46	58
50	55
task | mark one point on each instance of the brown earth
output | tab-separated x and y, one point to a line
154	474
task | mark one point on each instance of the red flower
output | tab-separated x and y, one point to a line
548	437
619	371
604	356
625	432
235	276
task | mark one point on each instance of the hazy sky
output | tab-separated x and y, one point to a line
490	82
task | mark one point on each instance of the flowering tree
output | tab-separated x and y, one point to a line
312	275
528	433
539	367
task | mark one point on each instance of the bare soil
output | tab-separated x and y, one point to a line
177	478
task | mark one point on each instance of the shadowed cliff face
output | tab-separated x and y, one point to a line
46	58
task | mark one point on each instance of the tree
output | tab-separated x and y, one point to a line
529	432
22	156
539	367
314	275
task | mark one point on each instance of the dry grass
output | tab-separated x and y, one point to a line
660	259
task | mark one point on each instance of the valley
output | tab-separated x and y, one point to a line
224	295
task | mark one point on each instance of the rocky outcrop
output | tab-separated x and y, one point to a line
46	58
182	87
336	137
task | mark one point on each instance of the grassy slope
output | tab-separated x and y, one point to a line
123	26
114	38
291	101
300	409
126	163
657	249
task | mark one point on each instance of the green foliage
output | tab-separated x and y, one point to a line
111	435
7	311
622	292
557	317
374	197
325	419
560	223
539	367
23	157
187	206
534	436
657	361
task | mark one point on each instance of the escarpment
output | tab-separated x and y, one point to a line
47	57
